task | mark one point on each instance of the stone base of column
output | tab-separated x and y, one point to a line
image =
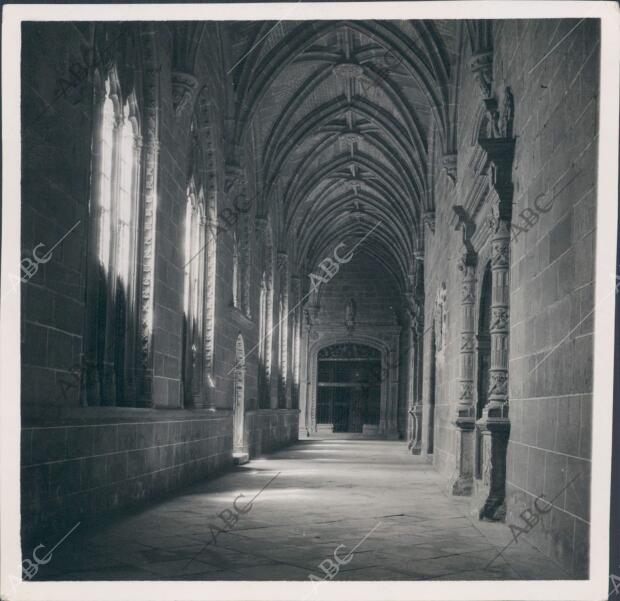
415	447
462	480
461	486
494	507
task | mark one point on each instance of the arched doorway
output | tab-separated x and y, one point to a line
484	361
348	389
239	453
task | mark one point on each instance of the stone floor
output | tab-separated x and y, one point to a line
371	497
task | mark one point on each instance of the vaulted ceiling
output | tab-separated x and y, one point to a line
336	116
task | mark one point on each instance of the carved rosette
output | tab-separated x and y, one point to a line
350	137
349	70
184	87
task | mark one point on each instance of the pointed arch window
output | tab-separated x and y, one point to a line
112	280
193	287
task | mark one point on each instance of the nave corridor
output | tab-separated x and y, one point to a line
325	493
265	237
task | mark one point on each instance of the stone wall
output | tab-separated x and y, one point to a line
78	461
551	274
552	278
82	471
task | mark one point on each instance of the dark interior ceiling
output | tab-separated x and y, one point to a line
337	115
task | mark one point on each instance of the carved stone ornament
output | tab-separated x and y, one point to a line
466	391
499	320
507	118
429	220
350	137
482	68
467	342
183	88
499	385
501	250
352	183
448	162
349	70
440	318
349	351
499	123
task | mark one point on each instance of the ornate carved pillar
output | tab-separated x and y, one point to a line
149	224
495	423
465	412
416	335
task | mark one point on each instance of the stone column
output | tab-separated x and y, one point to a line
494	423
414	408
465	415
391	406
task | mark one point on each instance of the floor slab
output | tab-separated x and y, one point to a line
381	511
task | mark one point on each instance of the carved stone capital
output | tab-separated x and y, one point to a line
184	87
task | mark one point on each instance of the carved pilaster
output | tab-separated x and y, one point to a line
495	420
151	157
465	412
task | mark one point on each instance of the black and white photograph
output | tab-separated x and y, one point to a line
306	301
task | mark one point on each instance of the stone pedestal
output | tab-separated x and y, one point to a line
461	481
415	444
495	427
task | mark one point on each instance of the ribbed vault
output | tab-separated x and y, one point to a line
336	116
